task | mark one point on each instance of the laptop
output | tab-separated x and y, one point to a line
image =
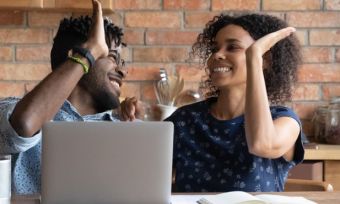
106	162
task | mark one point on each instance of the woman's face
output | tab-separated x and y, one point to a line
227	63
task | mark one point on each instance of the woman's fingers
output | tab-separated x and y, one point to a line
271	39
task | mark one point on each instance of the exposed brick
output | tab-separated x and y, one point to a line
330	91
313	19
30	86
171	37
148	92
319	73
36	53
305	110
145	72
160	54
24	35
187	4
11	18
130	89
45	19
287	5
8	89
317	54
6	53
190	72
306	92
29	72
221	5
152	19
324	37
332	4
198	19
136	4
302	36
337	55
134	37
191	86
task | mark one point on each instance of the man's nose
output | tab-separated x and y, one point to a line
122	70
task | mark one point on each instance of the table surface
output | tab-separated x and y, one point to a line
316	196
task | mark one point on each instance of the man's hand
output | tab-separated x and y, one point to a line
130	109
96	42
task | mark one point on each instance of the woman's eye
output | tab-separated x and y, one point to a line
232	48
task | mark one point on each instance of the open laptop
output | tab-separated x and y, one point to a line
106	162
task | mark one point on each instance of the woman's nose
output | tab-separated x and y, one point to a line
219	55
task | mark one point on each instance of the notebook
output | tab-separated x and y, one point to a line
240	197
106	162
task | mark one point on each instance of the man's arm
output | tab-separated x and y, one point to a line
44	101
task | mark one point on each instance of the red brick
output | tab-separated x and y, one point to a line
134	37
8	89
160	54
330	91
190	72
313	19
332	4
319	73
306	92
317	54
24	35
288	5
171	37
221	5
305	110
30	86
337	55
198	19
45	19
29	72
6	54
12	18
36	53
152	19
130	89
145	72
324	37
187	4
148	92
302	36
136	4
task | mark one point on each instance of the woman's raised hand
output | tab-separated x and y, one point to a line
96	40
262	45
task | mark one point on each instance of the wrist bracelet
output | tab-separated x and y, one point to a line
79	61
85	53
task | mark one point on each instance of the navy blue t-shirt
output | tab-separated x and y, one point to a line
211	155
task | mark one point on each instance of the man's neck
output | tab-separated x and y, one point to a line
82	101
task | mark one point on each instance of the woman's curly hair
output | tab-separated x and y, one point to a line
285	55
74	32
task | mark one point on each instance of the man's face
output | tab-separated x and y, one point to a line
104	80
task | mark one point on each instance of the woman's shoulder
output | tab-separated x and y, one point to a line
283	111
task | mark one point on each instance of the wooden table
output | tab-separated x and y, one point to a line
330	156
316	196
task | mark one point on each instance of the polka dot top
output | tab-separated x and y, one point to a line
211	155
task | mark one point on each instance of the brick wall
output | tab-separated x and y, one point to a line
159	34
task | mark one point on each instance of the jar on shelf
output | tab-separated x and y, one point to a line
332	135
319	124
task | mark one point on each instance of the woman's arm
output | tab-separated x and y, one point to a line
265	137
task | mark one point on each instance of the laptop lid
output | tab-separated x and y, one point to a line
106	162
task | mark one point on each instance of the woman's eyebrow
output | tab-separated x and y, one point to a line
231	40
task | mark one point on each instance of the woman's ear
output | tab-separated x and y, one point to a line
267	60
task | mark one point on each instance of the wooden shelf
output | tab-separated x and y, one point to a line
17	4
323	152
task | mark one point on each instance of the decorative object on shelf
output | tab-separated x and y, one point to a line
332	128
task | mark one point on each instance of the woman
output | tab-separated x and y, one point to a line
239	138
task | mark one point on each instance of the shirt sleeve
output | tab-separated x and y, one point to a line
299	151
10	141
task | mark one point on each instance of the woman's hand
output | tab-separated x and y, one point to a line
262	45
130	109
96	42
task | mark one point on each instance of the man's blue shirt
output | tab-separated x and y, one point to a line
26	152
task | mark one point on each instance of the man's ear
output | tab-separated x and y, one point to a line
267	60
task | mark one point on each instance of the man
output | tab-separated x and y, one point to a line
84	84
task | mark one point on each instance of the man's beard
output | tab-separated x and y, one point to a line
104	100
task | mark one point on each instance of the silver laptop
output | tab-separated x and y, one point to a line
106	162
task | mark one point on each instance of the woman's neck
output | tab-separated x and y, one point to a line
230	104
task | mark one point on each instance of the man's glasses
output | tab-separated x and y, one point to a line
115	54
